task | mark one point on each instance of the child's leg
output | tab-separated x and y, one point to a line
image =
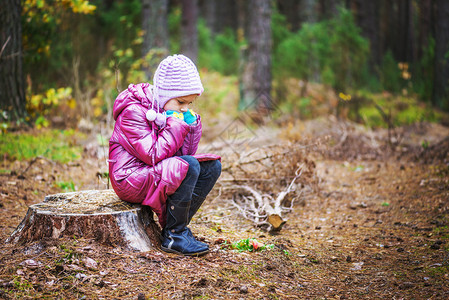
176	237
185	190
208	176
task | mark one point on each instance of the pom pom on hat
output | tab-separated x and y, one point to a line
176	76
158	118
151	115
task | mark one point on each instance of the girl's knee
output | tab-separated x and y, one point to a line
215	168
194	165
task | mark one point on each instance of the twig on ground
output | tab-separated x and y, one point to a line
263	208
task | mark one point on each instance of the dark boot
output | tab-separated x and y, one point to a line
176	237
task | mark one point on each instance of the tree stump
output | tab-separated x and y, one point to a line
92	214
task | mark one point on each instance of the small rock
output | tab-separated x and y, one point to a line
32	264
90	263
353	206
357	266
80	276
244	289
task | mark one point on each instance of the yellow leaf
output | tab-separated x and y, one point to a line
98	112
71	103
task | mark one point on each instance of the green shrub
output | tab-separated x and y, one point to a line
331	51
400	110
55	145
390	75
220	53
424	73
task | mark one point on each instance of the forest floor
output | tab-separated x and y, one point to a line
373	223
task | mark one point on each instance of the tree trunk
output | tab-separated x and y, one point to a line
189	31
155	26
425	26
289	8
402	39
12	80
98	215
441	90
226	15
208	10
368	19
308	11
256	78
329	8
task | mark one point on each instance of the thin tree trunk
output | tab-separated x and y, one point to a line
189	31
257	70
403	38
12	80
226	15
328	8
308	11
208	10
425	26
441	90
155	26
368	20
289	8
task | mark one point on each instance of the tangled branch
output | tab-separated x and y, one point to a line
263	209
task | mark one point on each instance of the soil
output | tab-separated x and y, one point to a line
373	223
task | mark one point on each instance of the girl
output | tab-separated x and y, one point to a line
152	150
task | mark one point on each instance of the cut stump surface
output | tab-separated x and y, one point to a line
96	214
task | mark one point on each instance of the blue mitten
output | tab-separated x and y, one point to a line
190	117
175	114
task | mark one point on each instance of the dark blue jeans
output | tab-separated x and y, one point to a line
199	181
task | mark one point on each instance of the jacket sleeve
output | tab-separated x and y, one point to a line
146	141
192	139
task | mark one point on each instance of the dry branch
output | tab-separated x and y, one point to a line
263	209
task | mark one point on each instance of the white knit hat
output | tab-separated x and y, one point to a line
176	76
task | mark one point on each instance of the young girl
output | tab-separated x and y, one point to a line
152	150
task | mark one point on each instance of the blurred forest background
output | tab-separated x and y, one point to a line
380	63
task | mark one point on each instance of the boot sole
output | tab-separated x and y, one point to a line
185	254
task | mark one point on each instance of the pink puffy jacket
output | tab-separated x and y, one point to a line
144	166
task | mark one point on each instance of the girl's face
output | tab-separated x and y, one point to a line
180	104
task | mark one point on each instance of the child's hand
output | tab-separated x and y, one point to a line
190	117
175	114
